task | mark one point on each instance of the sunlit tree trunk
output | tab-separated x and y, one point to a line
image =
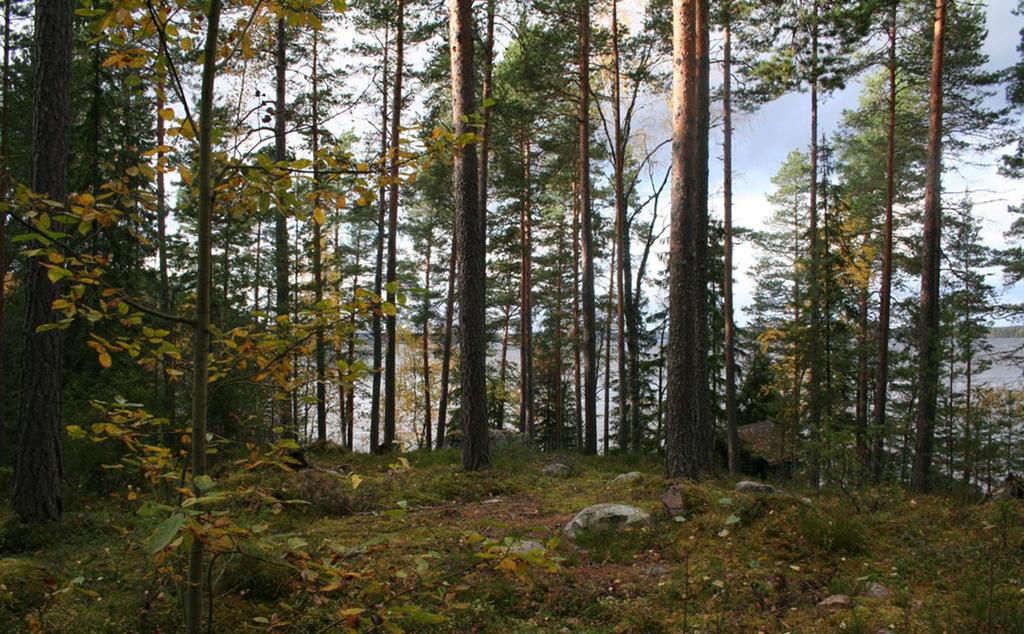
732	434
688	423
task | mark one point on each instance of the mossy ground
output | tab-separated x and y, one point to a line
738	563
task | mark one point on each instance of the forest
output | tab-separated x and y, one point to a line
512	316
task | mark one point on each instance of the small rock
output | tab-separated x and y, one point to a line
556	469
617	515
835	602
672	500
492	501
632	476
656	571
749	486
877	591
525	546
885	630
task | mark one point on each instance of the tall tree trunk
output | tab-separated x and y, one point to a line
526	413
39	469
559	417
612	267
863	449
623	274
503	369
587	239
201	334
446	347
472	259
5	186
390	366
928	328
577	367
732	433
885	286
688	424
378	285
318	278
282	287
427	431
485	111
166	386
815	364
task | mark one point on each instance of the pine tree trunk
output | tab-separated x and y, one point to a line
732	432
587	239
688	425
928	327
5	186
378	285
623	275
472	262
427	430
39	469
391	362
446	347
885	285
503	369
282	283
577	366
318	279
814	295
526	301
612	267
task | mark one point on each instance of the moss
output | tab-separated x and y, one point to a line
23	588
252	573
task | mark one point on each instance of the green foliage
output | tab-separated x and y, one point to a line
836	532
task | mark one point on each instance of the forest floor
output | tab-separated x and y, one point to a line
421	546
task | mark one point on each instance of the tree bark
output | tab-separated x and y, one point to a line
732	432
201	334
587	239
391	364
5	186
814	295
39	469
318	279
526	413
885	285
378	285
282	285
688	425
472	260
427	430
928	327
446	347
612	267
577	367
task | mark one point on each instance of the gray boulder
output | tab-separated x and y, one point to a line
749	486
877	591
617	515
556	469
672	500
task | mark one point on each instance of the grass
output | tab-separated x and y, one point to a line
738	563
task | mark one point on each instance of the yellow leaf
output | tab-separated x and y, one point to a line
318	216
105	360
187	131
356	481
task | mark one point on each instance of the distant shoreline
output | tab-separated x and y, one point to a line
1006	332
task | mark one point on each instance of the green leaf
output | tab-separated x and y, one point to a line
203	482
165	533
